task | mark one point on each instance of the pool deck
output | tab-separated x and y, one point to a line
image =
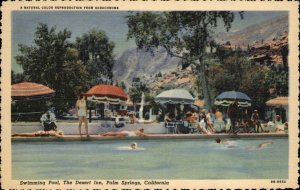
151	137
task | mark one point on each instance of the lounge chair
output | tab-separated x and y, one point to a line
183	127
171	126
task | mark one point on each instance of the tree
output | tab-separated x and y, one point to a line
136	91
228	74
284	51
212	44
17	77
236	73
182	34
254	84
279	81
96	52
123	85
51	61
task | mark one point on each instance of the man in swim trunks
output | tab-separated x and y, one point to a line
139	133
82	114
256	122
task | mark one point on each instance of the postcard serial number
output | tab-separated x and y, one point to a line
278	181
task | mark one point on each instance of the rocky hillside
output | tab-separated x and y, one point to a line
134	63
270	52
264	41
265	31
173	79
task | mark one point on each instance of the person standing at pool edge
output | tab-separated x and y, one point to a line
82	113
233	114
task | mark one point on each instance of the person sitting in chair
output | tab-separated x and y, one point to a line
132	118
48	121
202	127
167	118
282	128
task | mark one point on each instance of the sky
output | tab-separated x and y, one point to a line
24	24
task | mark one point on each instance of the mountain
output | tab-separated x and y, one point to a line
267	30
271	33
136	63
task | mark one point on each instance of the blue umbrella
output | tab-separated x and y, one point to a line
226	98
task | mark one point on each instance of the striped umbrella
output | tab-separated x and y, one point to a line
30	91
175	96
228	97
106	94
279	101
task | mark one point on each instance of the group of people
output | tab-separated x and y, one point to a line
204	122
242	119
48	121
207	122
279	126
82	116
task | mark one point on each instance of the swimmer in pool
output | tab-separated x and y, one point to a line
137	133
133	146
225	141
222	141
262	145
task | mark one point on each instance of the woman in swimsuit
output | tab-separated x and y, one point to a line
81	113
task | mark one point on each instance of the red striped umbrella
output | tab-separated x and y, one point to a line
279	101
30	91
106	93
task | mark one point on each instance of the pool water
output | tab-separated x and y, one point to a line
156	159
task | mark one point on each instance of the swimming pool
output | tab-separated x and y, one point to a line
157	159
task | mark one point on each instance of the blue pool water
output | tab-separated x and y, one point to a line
157	159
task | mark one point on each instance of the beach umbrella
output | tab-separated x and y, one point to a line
228	97
279	101
106	94
175	96
30	91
